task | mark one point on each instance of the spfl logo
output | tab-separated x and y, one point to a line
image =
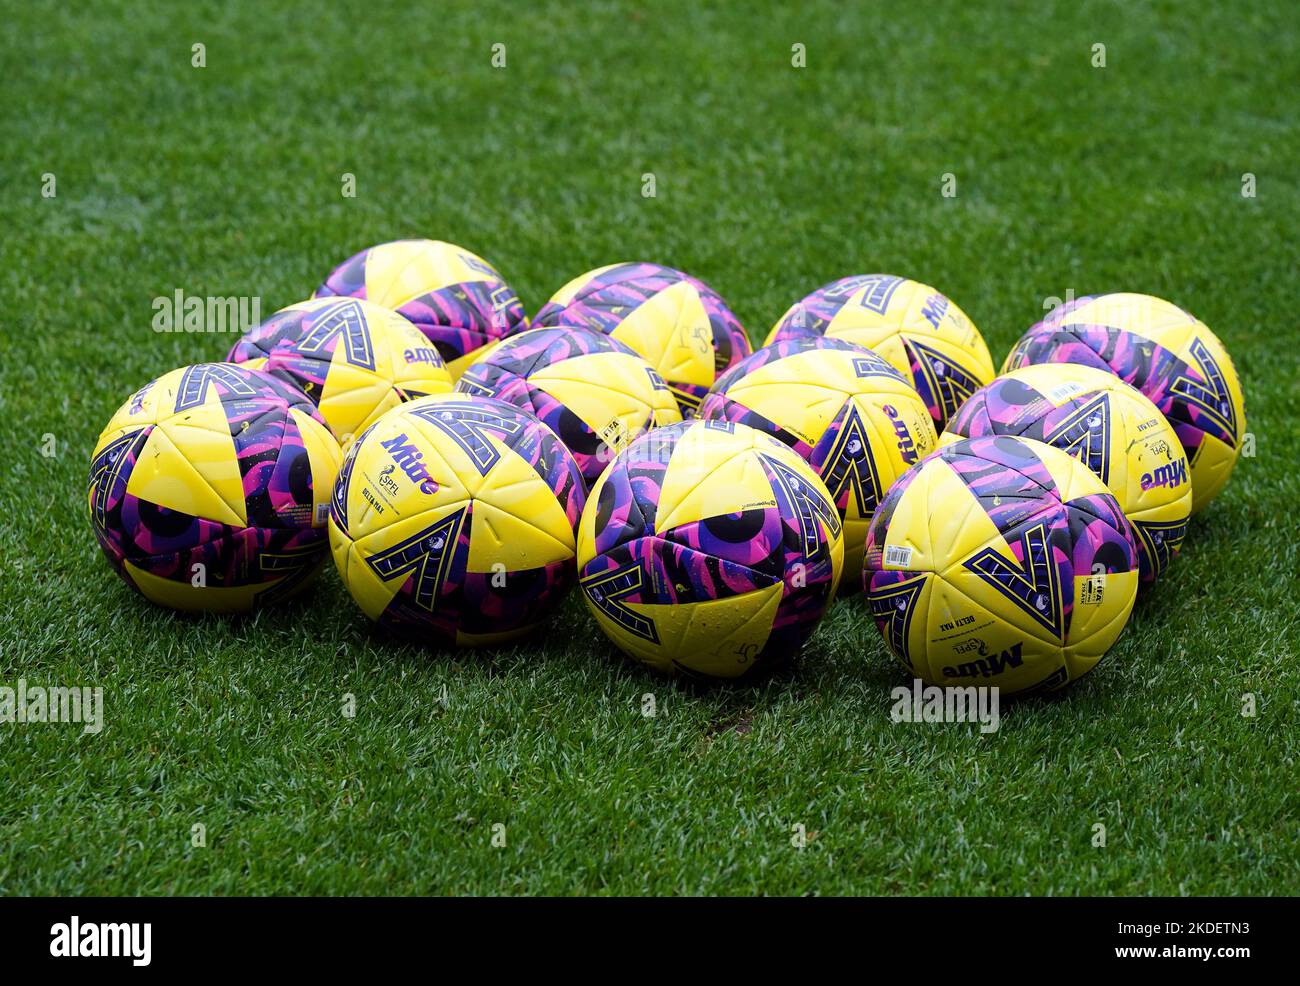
409	460
95	940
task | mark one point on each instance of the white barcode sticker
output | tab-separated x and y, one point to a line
898	556
1062	392
322	513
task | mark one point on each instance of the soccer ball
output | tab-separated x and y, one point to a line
209	488
1000	561
676	322
855	419
590	389
456	298
1168	355
924	336
710	549
354	358
1109	427
453	520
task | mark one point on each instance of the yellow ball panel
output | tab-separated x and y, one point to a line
937	538
399	272
191	469
522	522
1099	617
144	407
611	393
717	633
966	642
1142	314
672	332
1211	468
204	599
803	392
707	460
395	361
353	398
324	456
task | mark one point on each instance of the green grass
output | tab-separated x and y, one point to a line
771	180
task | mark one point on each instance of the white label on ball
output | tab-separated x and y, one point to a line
1062	392
322	513
1092	590
898	556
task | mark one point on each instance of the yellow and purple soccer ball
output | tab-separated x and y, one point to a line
590	389
922	333
455	297
1000	561
674	321
709	549
1167	354
353	358
453	521
210	486
853	417
1109	427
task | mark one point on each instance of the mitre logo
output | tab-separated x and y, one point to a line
409	460
987	667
